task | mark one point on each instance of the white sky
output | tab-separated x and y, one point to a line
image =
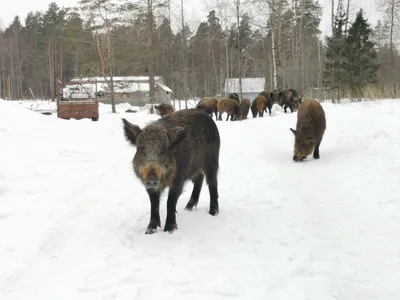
195	10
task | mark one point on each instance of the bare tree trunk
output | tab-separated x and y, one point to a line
274	76
150	19
392	56
239	48
100	55
333	16
110	69
347	17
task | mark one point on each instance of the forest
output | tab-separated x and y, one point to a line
117	38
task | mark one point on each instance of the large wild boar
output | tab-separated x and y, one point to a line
310	129
234	96
178	147
290	99
164	109
296	99
231	107
245	103
209	106
276	97
258	106
268	96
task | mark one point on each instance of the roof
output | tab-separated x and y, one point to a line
164	87
117	78
249	85
124	86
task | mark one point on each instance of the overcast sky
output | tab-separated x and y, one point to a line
195	10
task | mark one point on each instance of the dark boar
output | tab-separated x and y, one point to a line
245	103
258	106
290	99
231	107
276	97
268	96
310	129
164	109
296	99
178	147
234	96
209	106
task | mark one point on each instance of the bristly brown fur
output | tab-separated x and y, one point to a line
234	96
245	103
209	106
258	106
177	147
231	107
268	96
310	129
164	109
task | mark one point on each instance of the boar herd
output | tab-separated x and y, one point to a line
239	109
185	145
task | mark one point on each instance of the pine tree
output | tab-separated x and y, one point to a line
334	69
361	57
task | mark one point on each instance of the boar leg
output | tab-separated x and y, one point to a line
216	113
316	151
154	211
174	192
220	116
194	198
227	116
211	171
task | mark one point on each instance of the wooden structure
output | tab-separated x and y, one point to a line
77	100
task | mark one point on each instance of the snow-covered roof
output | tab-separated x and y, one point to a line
164	87
249	85
123	87
117	78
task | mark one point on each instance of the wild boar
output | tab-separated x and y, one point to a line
164	109
268	96
181	146
310	129
258	106
290	99
276	97
234	96
209	106
245	103
231	107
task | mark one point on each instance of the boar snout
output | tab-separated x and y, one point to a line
152	183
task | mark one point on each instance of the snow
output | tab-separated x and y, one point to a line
73	215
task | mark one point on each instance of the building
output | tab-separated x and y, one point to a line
134	90
251	87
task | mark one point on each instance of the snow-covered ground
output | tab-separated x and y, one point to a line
73	215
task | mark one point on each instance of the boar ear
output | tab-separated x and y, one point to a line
131	131
176	135
294	131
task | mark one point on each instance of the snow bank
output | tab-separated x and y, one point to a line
73	216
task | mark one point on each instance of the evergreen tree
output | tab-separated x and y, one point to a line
361	58
335	72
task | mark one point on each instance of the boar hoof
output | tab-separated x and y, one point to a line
150	230
190	205
153	226
214	211
170	227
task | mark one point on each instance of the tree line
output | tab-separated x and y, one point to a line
106	38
